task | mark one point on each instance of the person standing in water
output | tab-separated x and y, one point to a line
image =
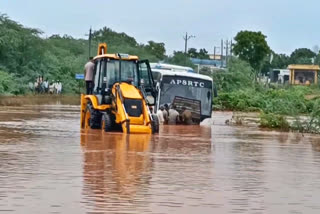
186	116
88	75
173	116
160	115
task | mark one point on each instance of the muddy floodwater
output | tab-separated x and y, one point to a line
47	165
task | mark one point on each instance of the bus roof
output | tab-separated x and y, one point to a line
182	73
170	67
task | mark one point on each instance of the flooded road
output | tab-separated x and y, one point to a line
47	165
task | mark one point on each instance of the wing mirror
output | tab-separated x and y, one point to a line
150	100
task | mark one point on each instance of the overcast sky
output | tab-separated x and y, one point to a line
288	24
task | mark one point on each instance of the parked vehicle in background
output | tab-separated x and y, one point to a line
281	76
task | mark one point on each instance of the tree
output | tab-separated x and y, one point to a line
193	53
7	83
251	47
280	61
237	76
25	55
302	56
317	60
202	54
179	58
316	49
157	49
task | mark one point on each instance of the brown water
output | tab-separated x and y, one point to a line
48	166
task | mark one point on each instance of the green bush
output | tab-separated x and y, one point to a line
289	101
8	84
237	76
274	121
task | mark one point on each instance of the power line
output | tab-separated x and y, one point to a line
186	38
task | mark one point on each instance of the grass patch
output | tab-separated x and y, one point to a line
274	121
282	101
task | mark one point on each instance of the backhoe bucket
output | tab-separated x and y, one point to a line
132	110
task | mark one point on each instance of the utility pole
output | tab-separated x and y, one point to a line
186	38
216	50
231	48
227	52
89	39
221	53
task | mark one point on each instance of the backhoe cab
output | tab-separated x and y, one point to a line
123	92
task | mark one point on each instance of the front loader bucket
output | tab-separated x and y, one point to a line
132	110
140	129
135	129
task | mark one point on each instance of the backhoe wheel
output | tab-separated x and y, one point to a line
95	117
155	124
86	119
107	122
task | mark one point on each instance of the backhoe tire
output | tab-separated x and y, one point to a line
107	121
155	124
95	117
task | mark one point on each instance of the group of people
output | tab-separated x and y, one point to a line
171	116
42	86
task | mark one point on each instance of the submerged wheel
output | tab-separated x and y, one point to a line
95	117
107	122
155	124
86	119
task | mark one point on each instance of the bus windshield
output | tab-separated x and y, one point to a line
191	88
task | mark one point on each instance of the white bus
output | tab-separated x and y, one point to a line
185	89
169	67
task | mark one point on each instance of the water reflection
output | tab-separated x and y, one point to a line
262	171
184	169
315	142
125	173
116	168
181	140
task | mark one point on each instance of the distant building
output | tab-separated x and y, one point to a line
303	74
214	57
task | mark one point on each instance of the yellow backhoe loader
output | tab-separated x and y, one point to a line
123	93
